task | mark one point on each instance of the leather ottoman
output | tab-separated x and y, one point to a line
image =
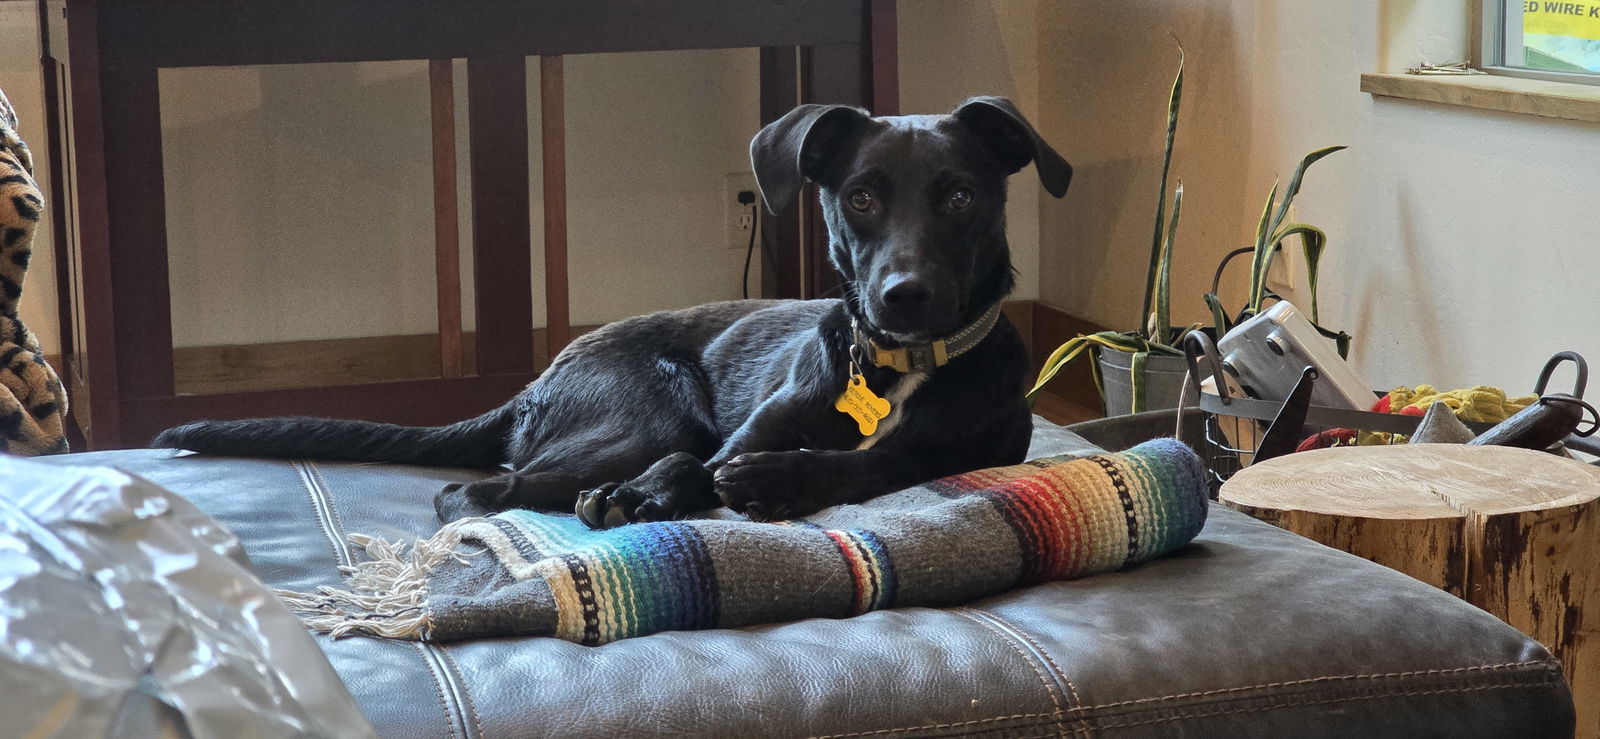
1250	630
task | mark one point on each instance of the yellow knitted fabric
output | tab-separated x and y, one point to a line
1481	404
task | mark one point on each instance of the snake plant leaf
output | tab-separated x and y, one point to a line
1177	340
1136	381
1341	340
1259	256
1173	101
1170	350
1128	342
1315	241
1219	315
1160	318
1080	345
1061	357
1294	182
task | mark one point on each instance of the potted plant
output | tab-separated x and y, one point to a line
1147	357
1144	369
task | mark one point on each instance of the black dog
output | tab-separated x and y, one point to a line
738	403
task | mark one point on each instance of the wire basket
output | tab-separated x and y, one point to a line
1240	430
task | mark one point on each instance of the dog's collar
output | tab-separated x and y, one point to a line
922	357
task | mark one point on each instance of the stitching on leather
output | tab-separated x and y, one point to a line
1309	680
452	692
1301	703
333	509
974	722
1077	702
1176	696
322	503
466	692
316	510
1253	709
438	688
1044	680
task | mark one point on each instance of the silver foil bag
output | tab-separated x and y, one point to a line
126	611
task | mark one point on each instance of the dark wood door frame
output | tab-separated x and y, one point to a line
863	72
100	65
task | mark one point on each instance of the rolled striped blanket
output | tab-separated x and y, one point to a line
943	543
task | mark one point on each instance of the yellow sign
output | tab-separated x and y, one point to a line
1573	20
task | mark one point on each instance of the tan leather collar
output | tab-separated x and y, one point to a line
925	356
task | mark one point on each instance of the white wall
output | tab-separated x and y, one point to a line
1463	243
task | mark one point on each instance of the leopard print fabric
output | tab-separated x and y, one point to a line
33	403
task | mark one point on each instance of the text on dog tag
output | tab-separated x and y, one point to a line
859	402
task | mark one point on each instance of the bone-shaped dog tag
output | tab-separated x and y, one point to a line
859	402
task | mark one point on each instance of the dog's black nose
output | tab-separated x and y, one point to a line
905	291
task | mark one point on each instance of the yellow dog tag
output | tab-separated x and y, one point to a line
859	402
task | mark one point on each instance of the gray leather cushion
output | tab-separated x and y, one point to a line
1249	631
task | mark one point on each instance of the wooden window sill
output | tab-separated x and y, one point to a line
1492	92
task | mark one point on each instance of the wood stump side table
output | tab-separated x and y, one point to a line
1512	531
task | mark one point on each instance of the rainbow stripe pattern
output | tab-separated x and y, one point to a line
1074	516
608	585
942	543
1056	518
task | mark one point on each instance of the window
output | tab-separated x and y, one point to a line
1544	40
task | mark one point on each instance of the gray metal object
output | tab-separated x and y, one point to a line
1121	432
1163	381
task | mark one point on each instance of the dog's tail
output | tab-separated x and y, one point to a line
475	442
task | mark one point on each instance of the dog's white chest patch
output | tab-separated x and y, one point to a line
897	397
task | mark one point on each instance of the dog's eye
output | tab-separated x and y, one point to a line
960	198
861	200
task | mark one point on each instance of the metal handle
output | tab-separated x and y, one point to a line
1555	361
1196	344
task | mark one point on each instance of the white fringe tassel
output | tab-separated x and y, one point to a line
387	594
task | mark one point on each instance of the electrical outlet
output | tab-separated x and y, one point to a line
739	218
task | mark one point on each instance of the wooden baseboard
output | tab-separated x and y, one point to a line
334	362
1074	385
206	370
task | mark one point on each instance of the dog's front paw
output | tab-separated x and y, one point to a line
617	503
671	488
766	486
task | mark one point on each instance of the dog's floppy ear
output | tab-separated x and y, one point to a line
1013	140
797	147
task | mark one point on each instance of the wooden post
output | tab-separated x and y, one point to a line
446	220
883	69
553	140
497	129
1512	531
